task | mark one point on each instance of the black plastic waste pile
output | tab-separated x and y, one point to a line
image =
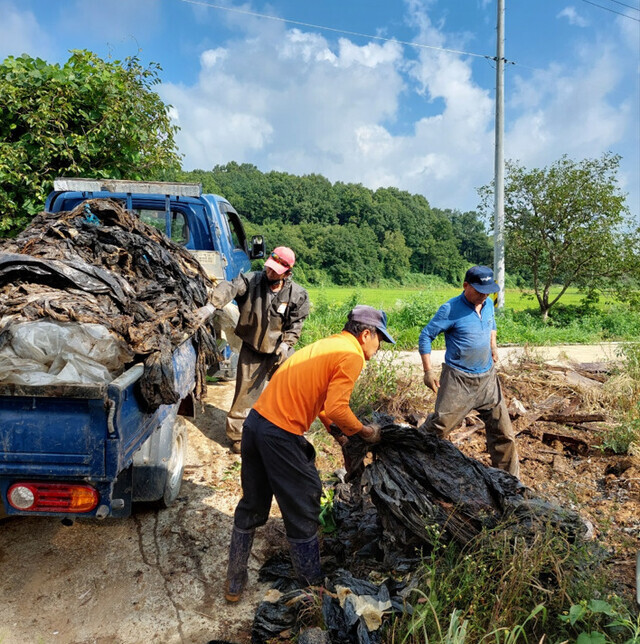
100	264
417	489
418	479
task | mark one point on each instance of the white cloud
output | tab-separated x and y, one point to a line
211	57
573	17
20	33
569	111
286	100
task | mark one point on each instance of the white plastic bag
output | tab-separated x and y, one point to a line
45	352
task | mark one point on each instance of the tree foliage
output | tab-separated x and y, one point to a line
567	224
88	117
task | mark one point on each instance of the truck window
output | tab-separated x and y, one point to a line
238	236
156	218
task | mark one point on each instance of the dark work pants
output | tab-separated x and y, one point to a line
461	392
281	464
254	371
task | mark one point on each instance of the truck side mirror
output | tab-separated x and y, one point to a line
257	247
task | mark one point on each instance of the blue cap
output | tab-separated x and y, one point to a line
481	278
371	317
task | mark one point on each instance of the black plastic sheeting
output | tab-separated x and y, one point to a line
111	268
418	479
336	603
417	489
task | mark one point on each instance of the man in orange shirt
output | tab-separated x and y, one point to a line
277	460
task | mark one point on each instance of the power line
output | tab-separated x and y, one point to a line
333	29
624	15
628	6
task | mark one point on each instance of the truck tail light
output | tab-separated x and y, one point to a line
52	497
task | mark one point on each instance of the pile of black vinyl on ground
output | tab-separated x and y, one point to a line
99	264
417	489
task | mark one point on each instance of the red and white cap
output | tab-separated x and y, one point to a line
281	260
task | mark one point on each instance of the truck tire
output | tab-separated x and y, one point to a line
175	464
159	464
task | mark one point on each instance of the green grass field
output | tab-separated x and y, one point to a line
393	298
520	323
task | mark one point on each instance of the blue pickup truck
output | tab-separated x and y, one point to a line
91	450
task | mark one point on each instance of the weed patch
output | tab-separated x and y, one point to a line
503	588
389	387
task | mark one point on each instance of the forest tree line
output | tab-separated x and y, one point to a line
345	233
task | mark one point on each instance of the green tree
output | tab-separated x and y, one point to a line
356	203
245	187
350	254
568	224
475	245
315	201
87	117
202	177
395	255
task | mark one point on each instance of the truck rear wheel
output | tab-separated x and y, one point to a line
175	464
159	464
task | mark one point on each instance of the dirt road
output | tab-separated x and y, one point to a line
605	352
157	576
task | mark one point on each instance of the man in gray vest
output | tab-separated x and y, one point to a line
272	310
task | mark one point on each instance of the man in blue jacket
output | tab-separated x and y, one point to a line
469	379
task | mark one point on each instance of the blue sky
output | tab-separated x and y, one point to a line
298	98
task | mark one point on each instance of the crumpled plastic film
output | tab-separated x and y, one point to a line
369	607
228	319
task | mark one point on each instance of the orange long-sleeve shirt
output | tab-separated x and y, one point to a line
316	381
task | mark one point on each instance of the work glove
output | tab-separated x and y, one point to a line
431	381
336	432
371	433
283	352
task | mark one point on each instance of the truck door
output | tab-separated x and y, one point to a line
238	257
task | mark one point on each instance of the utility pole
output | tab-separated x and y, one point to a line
498	234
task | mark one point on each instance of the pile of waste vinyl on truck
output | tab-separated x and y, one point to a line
100	273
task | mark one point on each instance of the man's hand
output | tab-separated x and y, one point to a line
431	381
370	433
494	354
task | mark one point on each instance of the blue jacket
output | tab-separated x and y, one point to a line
467	335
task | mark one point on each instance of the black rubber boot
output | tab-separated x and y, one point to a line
305	557
237	575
